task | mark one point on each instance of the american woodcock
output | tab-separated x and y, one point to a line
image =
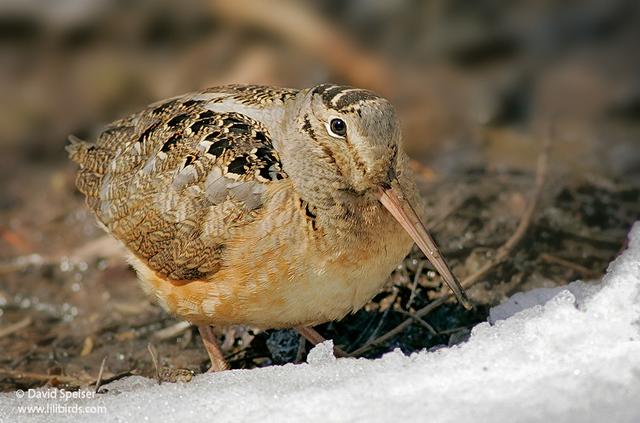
257	205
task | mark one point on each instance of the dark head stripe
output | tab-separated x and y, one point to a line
340	97
354	97
330	93
322	88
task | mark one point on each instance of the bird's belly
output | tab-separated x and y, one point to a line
329	290
284	285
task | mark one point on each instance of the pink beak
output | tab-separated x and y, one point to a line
404	213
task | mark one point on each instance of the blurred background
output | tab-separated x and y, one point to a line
477	85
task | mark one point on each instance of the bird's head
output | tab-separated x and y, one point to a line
343	144
354	131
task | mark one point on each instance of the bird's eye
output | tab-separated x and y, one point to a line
337	128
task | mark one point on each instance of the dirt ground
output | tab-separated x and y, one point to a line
476	95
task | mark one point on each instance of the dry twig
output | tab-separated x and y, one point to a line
315	338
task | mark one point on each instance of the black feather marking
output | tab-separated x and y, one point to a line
311	216
266	154
231	120
330	93
309	213
308	128
239	165
189	159
263	171
190	103
163	107
219	146
200	123
213	136
269	164
320	89
176	120
239	128
173	140
145	135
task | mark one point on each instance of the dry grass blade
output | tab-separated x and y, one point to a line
100	373
154	358
501	255
15	327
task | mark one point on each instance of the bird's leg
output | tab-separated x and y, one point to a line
311	335
218	363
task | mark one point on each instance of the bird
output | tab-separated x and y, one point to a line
258	205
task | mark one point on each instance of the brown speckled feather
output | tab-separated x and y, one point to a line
174	180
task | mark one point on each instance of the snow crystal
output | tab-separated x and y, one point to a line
321	354
568	354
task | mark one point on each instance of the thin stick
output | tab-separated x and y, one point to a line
384	317
501	254
569	264
415	284
420	320
452	330
100	372
118	376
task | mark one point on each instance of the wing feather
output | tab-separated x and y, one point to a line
175	180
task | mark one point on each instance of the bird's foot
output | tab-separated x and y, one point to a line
218	362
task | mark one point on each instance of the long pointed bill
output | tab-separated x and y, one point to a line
402	211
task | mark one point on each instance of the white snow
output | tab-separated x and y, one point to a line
567	354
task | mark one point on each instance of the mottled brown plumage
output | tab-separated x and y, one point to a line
258	205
